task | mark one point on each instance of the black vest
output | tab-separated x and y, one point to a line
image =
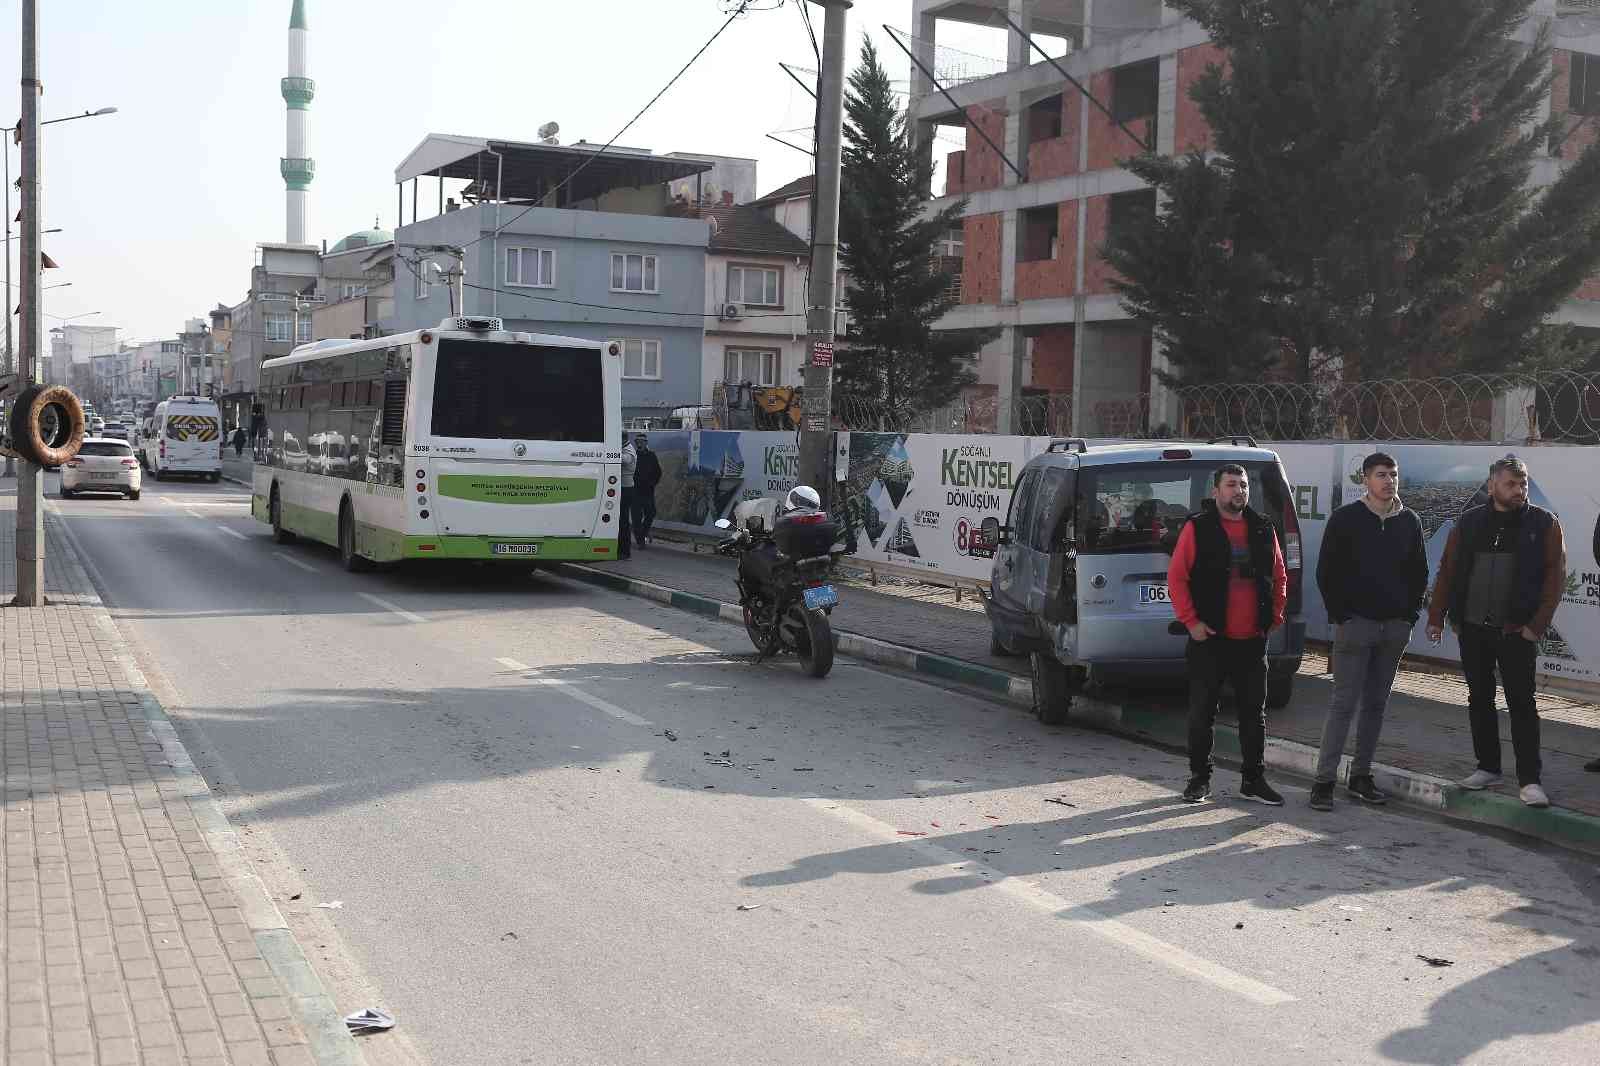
1529	550
1213	566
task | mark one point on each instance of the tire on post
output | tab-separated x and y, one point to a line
47	424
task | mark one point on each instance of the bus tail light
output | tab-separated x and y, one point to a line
427	547
602	551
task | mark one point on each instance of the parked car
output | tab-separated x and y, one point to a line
102	465
1079	582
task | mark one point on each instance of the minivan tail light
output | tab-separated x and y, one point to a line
1291	551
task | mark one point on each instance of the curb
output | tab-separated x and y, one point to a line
1555	825
313	1008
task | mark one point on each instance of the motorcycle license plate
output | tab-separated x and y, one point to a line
821	596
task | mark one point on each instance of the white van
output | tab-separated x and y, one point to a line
185	438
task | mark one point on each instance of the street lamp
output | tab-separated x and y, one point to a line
5	150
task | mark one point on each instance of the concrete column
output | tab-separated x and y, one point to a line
1017	50
1012	350
1010	241
1167	105
922	132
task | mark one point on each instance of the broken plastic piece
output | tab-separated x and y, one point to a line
332	905
748	906
371	1020
1060	801
1431	961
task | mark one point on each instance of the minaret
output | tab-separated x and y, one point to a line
297	168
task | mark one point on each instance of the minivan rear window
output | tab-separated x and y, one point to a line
1132	508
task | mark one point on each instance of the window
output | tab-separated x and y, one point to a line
750	366
422	279
1051	513
350	290
1135	508
759	286
1044	119
534	267
1583	87
1041	229
1136	90
280	326
641	359
633	273
302	328
481	390
1129	209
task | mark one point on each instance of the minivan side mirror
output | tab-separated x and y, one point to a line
994	534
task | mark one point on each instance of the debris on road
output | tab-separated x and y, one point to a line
909	833
294	897
332	905
1238	925
1431	961
749	906
371	1020
509	936
805	769
670	735
712	760
1060	802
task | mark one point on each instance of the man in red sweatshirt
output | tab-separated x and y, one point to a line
1228	586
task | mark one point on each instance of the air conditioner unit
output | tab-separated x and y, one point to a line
731	311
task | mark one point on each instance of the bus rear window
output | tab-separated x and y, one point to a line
1131	508
496	391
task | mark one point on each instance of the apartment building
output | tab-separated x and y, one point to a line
1043	204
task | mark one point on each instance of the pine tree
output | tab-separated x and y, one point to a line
1367	208
895	362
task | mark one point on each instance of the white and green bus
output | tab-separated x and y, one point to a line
462	442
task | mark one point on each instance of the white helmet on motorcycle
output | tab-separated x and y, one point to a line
802	498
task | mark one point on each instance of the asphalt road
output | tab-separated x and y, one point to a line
543	805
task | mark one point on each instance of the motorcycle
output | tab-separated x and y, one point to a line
784	587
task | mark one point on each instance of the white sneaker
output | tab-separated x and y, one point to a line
1479	780
1534	796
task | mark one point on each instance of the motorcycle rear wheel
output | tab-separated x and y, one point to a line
814	643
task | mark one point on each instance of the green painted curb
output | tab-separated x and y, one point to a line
1556	825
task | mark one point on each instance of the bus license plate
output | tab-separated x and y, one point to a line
1152	595
515	549
821	596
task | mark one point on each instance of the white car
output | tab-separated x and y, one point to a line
116	430
102	465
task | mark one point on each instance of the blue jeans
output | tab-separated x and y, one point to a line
1366	656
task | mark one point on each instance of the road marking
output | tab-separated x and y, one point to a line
578	694
394	607
1091	920
233	533
292	561
192	513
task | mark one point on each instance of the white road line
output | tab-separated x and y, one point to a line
1093	921
233	533
292	561
394	607
582	697
512	664
192	513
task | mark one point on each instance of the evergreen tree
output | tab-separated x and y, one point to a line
1368	206
894	362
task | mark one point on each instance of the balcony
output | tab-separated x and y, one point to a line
298	92
297	173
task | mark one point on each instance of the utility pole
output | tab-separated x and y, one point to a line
817	404
30	480
11	351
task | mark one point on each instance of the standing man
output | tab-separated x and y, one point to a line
645	480
630	467
1373	573
239	437
1229	587
1499	583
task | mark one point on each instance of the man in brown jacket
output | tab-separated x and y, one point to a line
1499	583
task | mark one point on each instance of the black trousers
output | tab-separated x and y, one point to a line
644	513
1484	651
1213	663
624	523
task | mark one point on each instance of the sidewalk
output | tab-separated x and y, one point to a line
1425	732
131	928
239	470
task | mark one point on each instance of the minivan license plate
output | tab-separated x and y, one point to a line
821	596
515	549
1153	595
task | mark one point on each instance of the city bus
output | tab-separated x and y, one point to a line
461	442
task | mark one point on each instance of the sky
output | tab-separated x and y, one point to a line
162	204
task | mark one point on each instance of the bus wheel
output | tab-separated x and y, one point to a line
347	540
275	516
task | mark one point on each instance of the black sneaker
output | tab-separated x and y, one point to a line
1256	788
1199	790
1322	796
1363	788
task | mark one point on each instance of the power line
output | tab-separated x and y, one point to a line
743	5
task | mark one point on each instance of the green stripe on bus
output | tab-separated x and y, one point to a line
490	488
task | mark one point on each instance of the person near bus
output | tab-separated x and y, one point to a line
1501	579
239	438
1229	588
630	468
645	479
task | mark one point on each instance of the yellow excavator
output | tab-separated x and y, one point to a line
769	407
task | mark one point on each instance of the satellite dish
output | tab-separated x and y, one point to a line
547	132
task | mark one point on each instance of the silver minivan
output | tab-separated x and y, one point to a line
1080	564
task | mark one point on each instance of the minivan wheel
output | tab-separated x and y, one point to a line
1052	690
1280	690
